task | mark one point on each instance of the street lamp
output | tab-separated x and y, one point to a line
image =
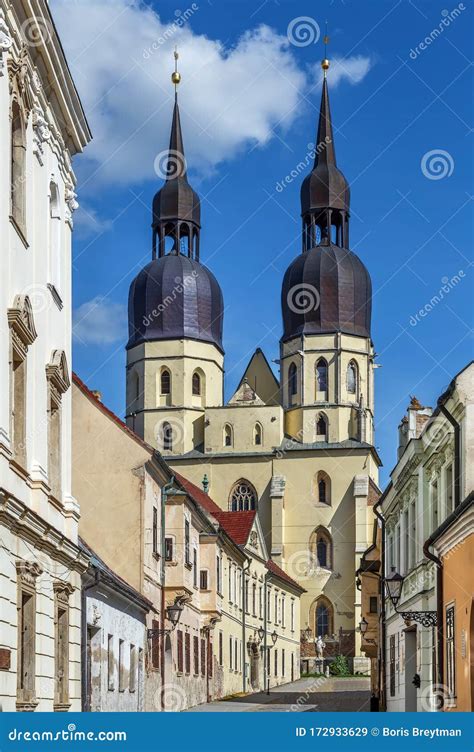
173	613
274	636
363	624
261	634
306	634
394	586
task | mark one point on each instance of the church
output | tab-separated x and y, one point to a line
298	449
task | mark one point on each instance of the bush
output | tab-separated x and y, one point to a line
339	666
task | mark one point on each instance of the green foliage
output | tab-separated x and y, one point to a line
339	666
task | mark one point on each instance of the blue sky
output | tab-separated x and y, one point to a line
249	102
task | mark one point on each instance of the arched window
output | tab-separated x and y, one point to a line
257	434
165	382
166	436
292	382
324	618
321	427
321	548
352	378
321	379
322	498
321	488
243	497
196	384
228	435
18	166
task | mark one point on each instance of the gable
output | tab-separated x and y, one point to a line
256	542
261	379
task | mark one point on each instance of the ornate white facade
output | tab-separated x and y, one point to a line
42	125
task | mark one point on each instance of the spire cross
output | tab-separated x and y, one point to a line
176	76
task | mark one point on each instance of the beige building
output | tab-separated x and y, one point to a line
205	562
429	544
42	126
297	450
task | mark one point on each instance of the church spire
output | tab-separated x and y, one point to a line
176	207
325	193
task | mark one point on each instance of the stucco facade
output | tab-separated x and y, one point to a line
42	125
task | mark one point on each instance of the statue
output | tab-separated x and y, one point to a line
320	645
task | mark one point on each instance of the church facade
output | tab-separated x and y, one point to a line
298	449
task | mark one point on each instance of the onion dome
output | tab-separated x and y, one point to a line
327	288
175	296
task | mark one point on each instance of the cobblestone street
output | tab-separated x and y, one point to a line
305	695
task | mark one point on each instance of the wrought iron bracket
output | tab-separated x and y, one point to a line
425	618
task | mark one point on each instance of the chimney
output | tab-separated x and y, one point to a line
97	394
412	423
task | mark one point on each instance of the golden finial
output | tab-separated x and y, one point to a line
325	62
175	76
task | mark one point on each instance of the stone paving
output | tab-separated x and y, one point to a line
305	695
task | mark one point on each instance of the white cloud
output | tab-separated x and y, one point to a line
230	97
99	322
352	69
87	222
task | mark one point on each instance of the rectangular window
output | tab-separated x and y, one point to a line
392	666
283	663
276	608
221	649
406	542
203	657
236	655
196	654
218	574
195	568
110	662
210	659
373	608
27	649
132	684
155	644
168	549
412	535
230	583
434	505
269	615
54	446
449	490
292	616
203	583
236	592
434	659
397	548
155	531
450	653
187	549
246	596
18	375
187	652
276	661
283	609
254	599
121	666
231	653
179	651
269	663
260	602
61	657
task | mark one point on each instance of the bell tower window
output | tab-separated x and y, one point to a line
165	382
322	428
292	383
196	384
243	497
322	380
228	435
257	434
352	378
166	436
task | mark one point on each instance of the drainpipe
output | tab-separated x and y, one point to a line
244	606
265	651
164	495
439	623
383	629
84	661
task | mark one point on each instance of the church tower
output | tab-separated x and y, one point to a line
326	353
175	310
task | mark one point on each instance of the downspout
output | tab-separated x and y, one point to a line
439	622
244	607
208	651
84	639
265	651
383	629
164	495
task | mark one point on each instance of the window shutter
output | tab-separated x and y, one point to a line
179	638
155	645
196	654
203	657
187	652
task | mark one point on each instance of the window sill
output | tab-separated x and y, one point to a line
61	707
188	565
27	706
21	232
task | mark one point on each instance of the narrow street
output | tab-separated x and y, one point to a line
305	695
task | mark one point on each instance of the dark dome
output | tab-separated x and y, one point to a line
177	200
324	187
175	297
327	289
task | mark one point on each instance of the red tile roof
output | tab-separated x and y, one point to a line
93	398
278	571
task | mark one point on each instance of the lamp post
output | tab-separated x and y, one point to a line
363	625
173	614
394	585
274	638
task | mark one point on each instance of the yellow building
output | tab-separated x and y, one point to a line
299	449
210	566
370	581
